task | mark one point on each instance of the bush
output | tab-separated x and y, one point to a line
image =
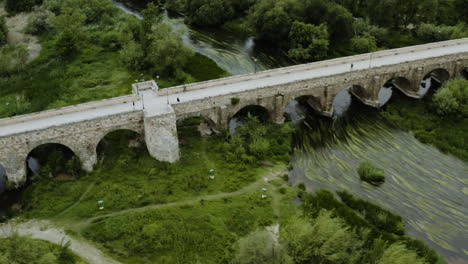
370	173
430	32
363	44
453	98
260	247
24	250
40	22
17	6
13	58
3	30
308	42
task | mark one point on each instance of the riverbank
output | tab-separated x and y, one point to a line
94	72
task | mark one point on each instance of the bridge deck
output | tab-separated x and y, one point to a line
157	104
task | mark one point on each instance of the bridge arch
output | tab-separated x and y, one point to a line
3	179
61	157
204	123
343	99
464	73
400	83
255	110
133	137
440	75
296	107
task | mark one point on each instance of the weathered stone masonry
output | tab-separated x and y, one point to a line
158	124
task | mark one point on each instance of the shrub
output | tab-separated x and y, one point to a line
40	22
3	30
260	247
363	44
370	173
235	100
301	186
430	32
17	6
13	58
453	98
131	56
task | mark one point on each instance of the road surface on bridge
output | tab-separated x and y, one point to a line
155	104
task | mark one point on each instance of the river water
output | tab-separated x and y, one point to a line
233	53
427	188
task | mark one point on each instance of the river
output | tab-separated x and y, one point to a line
426	187
233	53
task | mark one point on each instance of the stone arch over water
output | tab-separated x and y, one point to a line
344	98
386	91
297	108
440	75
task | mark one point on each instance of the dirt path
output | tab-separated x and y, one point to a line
78	201
274	173
45	230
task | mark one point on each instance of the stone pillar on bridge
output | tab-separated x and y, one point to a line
416	75
279	108
15	168
88	156
161	134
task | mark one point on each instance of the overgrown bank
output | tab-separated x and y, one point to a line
440	119
92	50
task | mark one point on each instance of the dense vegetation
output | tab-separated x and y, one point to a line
92	50
440	120
317	29
370	173
124	171
357	232
23	250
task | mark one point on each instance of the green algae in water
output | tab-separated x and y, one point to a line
423	185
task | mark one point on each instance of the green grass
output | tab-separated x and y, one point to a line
129	177
201	233
448	134
20	249
95	73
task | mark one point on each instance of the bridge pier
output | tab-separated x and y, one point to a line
88	157
161	134
15	168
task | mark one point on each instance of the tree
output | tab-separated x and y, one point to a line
260	247
398	253
271	20
3	30
208	12
326	240
453	98
13	58
70	32
363	44
430	32
340	23
17	6
308	42
132	56
166	52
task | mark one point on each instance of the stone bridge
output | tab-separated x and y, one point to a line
154	113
